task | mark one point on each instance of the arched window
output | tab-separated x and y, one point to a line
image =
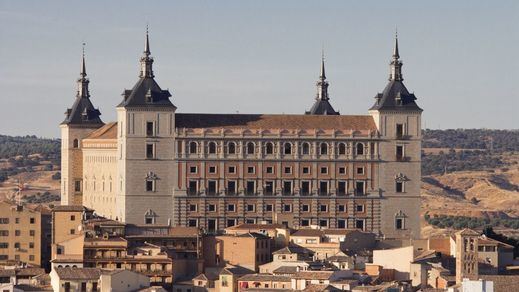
269	148
212	148
250	148
193	147
287	148
305	149
341	149
231	148
76	143
324	148
360	149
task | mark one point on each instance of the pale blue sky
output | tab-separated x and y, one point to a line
460	57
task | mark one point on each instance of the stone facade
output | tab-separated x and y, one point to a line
156	166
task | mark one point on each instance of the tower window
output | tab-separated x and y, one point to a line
359	188
399	223
150	129
305	149
212	148
251	187
288	148
75	143
399	152
399	187
193	187
231	187
360	149
250	148
269	148
399	130
269	187
305	188
323	188
193	148
341	188
150	151
77	186
342	149
324	148
231	148
287	188
211	187
150	185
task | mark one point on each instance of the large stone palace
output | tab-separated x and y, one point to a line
156	166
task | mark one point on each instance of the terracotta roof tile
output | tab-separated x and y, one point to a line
78	273
108	131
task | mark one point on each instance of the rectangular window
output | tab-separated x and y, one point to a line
4	220
323	223
211	225
250	169
32	233
287	188
399	186
17	233
323	208
192	169
360	170
360	208
72	217
324	170
269	188
288	170
212	169
31	257
251	187
341	208
231	222
269	207
323	188
306	170
193	207
341	223
399	152
399	223
150	129
150	151
305	208
399	130
211	187
250	208
4	232
305	222
341	188
17	220
232	169
77	186
342	170
359	188
72	231
359	224
305	188
150	185
287	208
231	187
193	187
31	220
192	223
270	169
148	220
4	245
250	221
211	208
231	208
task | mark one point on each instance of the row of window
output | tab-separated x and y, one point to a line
269	148
16	245
270	208
4	257
270	170
16	233
32	220
250	187
212	224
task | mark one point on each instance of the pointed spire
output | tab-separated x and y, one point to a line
146	60
147	43
395	72
323	74
83	66
82	82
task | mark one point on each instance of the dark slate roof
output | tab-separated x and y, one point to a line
387	100
322	107
82	113
146	93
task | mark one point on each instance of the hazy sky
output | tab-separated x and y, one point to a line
460	57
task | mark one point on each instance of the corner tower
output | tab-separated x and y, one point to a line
322	104
80	120
145	135
398	119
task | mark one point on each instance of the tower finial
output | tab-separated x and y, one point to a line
396	55
146	60
322	76
83	65
396	65
82	82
